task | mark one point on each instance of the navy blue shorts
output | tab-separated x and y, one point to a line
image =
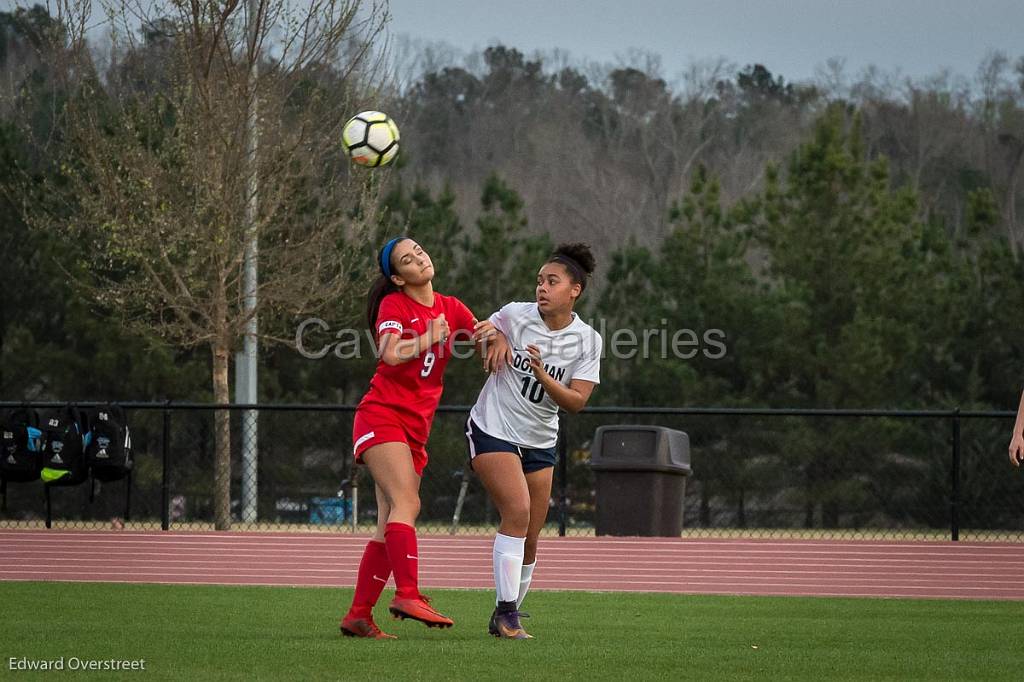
534	459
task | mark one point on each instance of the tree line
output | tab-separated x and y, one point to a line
853	242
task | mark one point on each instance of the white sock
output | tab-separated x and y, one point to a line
525	578
508	565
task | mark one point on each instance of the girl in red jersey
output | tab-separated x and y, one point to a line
414	326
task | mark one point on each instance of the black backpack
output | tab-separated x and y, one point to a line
108	451
20	446
63	451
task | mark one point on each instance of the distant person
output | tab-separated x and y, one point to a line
554	362
1017	439
414	327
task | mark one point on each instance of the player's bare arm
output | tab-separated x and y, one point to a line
1017	439
491	345
571	398
395	351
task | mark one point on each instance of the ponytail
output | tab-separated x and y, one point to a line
382	286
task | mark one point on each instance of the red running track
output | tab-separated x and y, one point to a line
748	567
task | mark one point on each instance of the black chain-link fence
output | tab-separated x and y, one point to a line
756	473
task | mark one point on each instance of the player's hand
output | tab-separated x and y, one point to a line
438	329
484	331
536	363
1017	450
497	353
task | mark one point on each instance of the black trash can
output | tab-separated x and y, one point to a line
641	476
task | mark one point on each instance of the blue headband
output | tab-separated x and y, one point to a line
385	256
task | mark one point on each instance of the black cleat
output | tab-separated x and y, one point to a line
507	626
492	627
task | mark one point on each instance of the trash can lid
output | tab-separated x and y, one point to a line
678	469
640	448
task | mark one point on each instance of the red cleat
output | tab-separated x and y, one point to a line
419	608
363	627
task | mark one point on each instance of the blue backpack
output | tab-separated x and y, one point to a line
20	446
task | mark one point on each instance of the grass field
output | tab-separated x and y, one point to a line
244	633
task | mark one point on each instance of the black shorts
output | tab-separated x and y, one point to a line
534	459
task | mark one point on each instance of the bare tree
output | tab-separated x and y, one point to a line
160	178
1000	113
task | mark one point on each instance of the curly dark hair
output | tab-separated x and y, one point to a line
577	259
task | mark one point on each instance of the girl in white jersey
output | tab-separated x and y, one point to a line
554	362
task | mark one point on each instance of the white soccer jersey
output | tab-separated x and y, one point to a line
512	405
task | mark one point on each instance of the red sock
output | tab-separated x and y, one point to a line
374	570
401	543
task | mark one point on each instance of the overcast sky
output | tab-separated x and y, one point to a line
791	37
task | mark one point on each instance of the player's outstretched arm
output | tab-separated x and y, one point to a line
1017	439
491	346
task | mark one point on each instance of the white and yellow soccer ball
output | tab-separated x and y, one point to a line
371	139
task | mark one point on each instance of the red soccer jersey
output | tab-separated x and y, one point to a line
413	388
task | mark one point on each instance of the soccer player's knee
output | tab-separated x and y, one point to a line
517	515
407	505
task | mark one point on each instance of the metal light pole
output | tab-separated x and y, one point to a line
245	361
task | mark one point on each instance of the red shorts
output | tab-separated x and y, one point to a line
375	425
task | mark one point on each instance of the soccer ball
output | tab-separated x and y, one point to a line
371	139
